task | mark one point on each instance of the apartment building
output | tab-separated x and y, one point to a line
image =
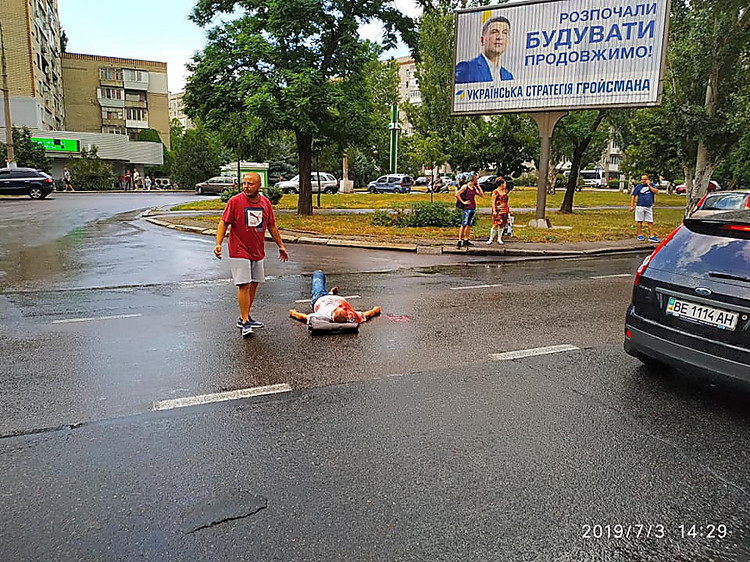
408	89
31	34
177	110
114	95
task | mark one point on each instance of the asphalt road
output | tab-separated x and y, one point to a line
412	440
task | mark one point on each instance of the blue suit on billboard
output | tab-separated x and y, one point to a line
477	70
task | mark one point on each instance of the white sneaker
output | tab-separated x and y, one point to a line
500	241
489	241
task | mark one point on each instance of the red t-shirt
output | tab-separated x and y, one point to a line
249	221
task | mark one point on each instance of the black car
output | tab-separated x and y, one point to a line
487	183
691	299
26	181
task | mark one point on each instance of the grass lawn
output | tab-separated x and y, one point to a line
519	197
586	226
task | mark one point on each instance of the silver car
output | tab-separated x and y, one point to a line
215	185
328	183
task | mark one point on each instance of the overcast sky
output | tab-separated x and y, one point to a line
120	29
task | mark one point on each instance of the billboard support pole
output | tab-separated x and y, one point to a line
546	122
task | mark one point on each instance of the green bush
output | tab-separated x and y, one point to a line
273	193
526	180
228	193
433	214
613	184
388	218
91	173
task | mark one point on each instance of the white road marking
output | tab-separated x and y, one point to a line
474	287
221	396
346	297
531	352
612	276
94	319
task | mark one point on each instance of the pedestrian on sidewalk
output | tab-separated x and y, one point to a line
249	213
67	180
331	307
642	200
465	198
136	179
128	180
148	183
500	210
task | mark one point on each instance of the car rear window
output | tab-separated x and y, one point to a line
725	201
695	254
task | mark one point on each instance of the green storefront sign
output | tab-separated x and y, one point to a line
58	145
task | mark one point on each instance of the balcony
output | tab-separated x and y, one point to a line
105	101
141	85
111	83
133	124
115	122
136	103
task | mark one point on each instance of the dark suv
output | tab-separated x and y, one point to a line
691	299
395	183
26	181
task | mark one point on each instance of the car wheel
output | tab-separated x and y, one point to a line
396	190
36	192
290	190
199	190
371	190
328	190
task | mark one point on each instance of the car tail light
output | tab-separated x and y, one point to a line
47	180
737	227
747	202
627	333
647	261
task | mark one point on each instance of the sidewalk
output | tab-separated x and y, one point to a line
511	247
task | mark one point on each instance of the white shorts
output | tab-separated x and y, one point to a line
644	214
246	271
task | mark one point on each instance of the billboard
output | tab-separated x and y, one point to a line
557	55
58	145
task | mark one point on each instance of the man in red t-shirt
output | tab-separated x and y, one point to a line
249	213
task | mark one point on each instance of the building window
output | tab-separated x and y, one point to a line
135	75
112	130
137	114
109	114
109	73
110	93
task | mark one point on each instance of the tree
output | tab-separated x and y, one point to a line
577	138
706	73
293	65
196	158
152	135
90	172
27	153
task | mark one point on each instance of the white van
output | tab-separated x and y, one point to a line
593	178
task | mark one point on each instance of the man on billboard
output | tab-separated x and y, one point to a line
486	66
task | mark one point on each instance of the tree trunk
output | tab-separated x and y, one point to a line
304	150
703	168
578	152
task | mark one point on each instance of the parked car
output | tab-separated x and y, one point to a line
712	186
328	183
26	181
421	180
719	202
215	185
487	183
690	306
395	183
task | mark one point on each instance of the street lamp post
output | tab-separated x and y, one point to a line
6	106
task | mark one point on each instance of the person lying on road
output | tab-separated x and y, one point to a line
330	306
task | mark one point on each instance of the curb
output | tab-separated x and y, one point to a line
434	249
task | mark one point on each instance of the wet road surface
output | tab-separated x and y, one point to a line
407	441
